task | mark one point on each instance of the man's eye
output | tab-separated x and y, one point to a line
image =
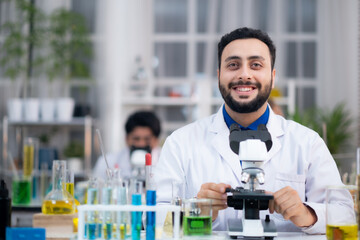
256	65
232	65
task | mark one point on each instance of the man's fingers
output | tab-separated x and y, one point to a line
271	206
218	202
213	191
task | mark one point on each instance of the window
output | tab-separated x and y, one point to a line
186	34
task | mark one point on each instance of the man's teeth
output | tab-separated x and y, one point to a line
244	89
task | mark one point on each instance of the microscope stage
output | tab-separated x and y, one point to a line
236	230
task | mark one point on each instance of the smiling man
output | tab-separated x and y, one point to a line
298	166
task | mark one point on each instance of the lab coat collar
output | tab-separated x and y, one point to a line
275	127
221	143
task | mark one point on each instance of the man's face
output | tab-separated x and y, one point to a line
245	76
141	137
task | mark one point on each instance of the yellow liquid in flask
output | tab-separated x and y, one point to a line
58	207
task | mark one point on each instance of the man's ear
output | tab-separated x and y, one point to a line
218	73
273	77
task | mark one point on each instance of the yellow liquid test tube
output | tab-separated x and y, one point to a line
28	155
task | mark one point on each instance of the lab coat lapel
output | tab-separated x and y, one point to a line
276	131
221	143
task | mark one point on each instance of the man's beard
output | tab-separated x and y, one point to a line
248	107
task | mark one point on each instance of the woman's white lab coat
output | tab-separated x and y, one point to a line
199	153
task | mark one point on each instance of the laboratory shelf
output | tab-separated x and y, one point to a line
161	101
80	122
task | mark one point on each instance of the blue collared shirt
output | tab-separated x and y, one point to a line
263	119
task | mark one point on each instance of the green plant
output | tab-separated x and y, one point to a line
69	45
337	122
74	149
18	55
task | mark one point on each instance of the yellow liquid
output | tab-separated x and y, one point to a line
344	232
28	156
70	189
58	207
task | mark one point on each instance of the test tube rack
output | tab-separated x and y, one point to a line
128	208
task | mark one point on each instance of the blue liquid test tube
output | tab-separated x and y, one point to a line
136	216
92	218
150	198
150	216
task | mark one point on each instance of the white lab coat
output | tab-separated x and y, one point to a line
199	153
120	160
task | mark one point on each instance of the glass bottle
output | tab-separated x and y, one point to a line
58	201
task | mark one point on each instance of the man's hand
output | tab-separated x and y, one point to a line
287	202
216	192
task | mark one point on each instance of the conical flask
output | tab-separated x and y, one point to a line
58	201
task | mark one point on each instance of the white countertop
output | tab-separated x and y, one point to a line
281	236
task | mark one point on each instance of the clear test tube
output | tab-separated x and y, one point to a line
43	180
123	218
70	187
107	199
91	229
136	223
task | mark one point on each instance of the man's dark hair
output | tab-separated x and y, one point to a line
143	119
246	33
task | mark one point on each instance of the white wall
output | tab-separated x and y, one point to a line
339	55
122	27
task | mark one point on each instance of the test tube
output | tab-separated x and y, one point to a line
150	198
107	199
136	216
91	231
123	216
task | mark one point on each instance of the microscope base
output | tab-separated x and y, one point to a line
236	229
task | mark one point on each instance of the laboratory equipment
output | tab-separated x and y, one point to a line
92	230
107	199
122	218
178	195
5	209
29	156
342	220
136	216
150	198
70	186
252	147
197	216
137	156
58	201
21	190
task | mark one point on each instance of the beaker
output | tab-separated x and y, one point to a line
21	190
58	201
197	216
341	219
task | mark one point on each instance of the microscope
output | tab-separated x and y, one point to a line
137	161
252	147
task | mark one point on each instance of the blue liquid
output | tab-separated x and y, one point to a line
150	216
91	231
136	218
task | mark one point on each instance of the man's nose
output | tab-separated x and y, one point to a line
142	143
244	73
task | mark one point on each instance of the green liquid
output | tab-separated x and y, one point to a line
195	225
21	192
